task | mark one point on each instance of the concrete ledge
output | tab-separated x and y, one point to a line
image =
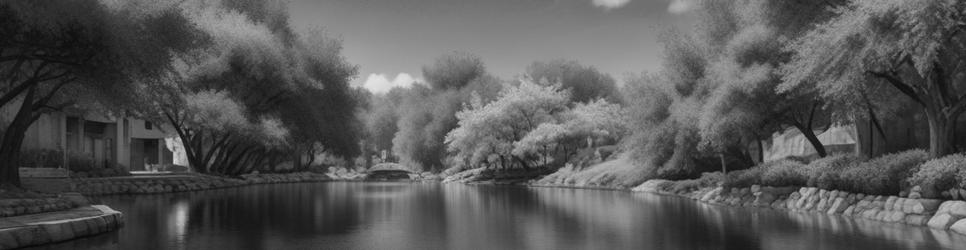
37	229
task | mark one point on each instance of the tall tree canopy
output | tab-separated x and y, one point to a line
916	46
745	43
584	82
428	113
56	54
290	91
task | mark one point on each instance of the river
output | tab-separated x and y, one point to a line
355	215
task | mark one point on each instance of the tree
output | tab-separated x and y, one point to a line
597	121
287	92
429	113
454	70
486	132
584	82
57	54
382	119
914	46
746	40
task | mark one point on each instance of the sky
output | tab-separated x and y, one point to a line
391	40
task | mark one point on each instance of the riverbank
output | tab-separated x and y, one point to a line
152	184
934	213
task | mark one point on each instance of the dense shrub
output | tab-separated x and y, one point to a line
825	172
743	178
41	158
707	179
940	174
782	173
885	175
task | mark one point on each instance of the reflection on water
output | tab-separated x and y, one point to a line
435	216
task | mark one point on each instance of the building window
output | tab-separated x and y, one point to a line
148	125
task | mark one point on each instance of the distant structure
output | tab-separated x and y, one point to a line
388	171
81	137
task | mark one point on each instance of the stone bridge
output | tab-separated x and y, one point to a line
388	170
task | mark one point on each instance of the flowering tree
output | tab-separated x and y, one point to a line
530	124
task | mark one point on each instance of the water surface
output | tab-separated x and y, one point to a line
349	215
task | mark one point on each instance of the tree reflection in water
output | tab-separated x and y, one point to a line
388	215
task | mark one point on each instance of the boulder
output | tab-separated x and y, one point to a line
848	211
890	202
956	208
822	205
894	216
943	221
870	214
959	226
900	204
811	202
838	206
917	219
922	206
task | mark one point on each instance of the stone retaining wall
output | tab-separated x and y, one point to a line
938	214
24	206
16	207
167	184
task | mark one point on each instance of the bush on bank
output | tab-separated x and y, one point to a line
884	175
941	174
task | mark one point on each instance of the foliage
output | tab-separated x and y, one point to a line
884	175
486	133
41	158
88	53
620	173
782	173
941	174
743	178
585	83
454	71
531	124
744	42
916	47
825	173
256	93
427	114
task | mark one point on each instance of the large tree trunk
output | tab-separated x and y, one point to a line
941	131
13	139
812	139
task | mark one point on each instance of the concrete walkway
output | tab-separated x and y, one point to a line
44	228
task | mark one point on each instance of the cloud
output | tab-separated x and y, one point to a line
610	4
680	6
379	83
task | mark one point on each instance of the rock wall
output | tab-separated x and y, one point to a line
167	184
935	213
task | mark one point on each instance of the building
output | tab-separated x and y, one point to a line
83	137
